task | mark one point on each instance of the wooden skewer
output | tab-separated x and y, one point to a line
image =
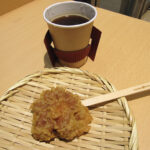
117	94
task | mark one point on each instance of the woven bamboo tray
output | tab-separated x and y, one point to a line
113	126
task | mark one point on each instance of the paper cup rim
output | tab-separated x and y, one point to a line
69	26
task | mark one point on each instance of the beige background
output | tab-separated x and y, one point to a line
123	55
8	5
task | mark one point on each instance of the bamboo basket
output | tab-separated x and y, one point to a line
113	126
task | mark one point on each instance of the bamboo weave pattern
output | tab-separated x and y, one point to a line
113	126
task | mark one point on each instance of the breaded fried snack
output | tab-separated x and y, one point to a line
59	113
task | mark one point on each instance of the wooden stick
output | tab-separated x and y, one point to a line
117	94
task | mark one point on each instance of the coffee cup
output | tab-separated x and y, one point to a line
72	37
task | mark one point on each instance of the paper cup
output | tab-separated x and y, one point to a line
70	37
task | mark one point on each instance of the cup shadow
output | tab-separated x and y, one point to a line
47	62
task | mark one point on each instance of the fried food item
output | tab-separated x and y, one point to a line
59	113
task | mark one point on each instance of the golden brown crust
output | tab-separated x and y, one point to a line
59	113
